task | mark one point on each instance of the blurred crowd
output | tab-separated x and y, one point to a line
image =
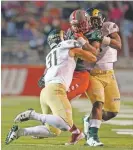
26	24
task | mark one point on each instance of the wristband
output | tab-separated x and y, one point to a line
106	40
81	40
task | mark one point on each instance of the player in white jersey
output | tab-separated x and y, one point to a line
80	79
60	63
103	92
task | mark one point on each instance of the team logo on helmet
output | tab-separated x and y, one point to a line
96	17
55	37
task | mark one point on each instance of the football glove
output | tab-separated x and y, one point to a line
41	82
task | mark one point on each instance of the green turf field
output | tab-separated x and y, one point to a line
11	106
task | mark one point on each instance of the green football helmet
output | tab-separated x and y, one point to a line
55	37
96	17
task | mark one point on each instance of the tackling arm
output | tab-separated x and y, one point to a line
41	82
93	48
115	40
94	39
111	38
84	55
83	40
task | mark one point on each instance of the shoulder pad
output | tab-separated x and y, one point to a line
69	44
108	28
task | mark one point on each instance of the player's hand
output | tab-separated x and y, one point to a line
41	82
78	35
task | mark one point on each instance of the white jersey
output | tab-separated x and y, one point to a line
108	56
60	66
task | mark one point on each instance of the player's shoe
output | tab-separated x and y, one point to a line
94	141
24	116
12	135
75	138
86	126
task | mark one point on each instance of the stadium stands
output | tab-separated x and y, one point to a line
25	26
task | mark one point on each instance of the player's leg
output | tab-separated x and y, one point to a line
61	107
107	115
79	84
54	95
112	99
96	95
37	131
50	95
46	110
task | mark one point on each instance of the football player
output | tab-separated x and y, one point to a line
80	80
103	90
102	75
60	64
79	21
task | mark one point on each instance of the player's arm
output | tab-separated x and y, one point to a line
82	54
41	81
115	40
94	39
112	40
94	47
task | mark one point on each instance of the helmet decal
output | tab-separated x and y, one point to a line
95	12
55	37
96	17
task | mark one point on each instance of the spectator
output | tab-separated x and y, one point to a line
128	21
115	14
20	21
26	33
3	28
11	27
32	21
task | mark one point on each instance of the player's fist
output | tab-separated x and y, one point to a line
41	82
78	35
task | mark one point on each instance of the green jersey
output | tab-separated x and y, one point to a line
93	35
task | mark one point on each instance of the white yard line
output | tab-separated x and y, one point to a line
126	112
124	131
122	115
119	122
